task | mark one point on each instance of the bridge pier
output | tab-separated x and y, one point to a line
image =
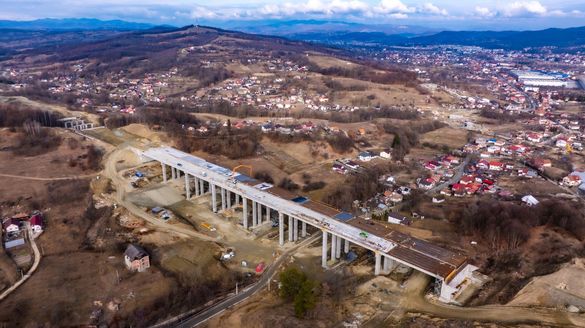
304	229
346	247
333	243
259	214
268	214
202	186
164	172
254	214
377	264
295	229
213	199
290	228
280	228
173	173
245	213
223	203
389	264
187	186
338	247
324	250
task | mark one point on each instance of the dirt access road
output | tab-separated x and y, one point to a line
75	177
122	186
415	301
34	267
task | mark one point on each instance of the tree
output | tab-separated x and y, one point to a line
305	299
298	288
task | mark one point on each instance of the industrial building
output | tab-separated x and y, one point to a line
263	201
543	79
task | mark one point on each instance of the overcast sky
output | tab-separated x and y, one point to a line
459	14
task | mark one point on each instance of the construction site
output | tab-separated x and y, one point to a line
250	218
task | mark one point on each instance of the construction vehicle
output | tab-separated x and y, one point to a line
235	169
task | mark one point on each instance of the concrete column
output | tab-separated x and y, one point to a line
386	265
259	216
280	228
173	173
236	199
333	242
202	186
346	247
290	228
213	199
187	186
338	247
377	265
164	172
324	250
304	229
268	214
254	214
229	199
197	192
223	203
245	213
296	229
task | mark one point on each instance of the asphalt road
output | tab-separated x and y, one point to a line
210	312
456	177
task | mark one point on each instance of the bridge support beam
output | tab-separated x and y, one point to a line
213	199
324	250
254	214
280	228
290	228
377	264
295	229
187	186
259	214
223	203
333	243
202	186
338	247
388	264
173	173
245	213
304	229
268	214
196	183
164	172
346	247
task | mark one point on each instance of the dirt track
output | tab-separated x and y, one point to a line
415	301
121	186
86	176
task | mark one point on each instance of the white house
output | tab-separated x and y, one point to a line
365	156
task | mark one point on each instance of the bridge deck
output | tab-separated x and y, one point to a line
420	254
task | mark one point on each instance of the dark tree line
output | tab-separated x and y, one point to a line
506	226
15	115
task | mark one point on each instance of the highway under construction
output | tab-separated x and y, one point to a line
262	201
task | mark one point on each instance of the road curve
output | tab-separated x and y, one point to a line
32	269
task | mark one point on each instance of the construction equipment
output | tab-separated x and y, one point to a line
235	169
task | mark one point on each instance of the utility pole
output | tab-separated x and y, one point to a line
236	288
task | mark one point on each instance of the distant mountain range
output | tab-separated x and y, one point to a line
341	33
73	24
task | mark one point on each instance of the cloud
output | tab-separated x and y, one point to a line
432	9
524	9
393	7
484	12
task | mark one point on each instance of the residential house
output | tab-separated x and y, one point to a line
136	258
11	226
36	223
365	156
396	218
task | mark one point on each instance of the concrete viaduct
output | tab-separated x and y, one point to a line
339	229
